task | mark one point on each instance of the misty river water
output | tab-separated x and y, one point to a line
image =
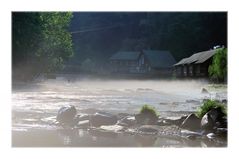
33	102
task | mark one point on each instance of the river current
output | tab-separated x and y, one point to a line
35	101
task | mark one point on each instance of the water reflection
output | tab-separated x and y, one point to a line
68	136
145	140
94	138
99	133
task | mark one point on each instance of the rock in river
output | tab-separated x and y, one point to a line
102	118
83	124
66	115
146	118
127	121
204	90
192	122
213	118
207	122
112	128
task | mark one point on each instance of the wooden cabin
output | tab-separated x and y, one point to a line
195	65
142	62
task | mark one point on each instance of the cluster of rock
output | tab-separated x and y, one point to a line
212	125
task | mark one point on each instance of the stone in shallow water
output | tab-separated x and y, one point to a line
190	134
211	136
127	121
214	117
113	128
49	120
146	118
171	121
207	122
102	118
83	124
83	117
204	90
66	114
192	122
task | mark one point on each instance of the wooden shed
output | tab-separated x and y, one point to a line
195	65
142	62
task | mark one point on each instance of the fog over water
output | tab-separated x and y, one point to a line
32	103
110	95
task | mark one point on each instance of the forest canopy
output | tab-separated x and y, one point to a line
40	42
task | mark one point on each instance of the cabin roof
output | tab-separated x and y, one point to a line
181	62
206	55
159	58
198	57
125	55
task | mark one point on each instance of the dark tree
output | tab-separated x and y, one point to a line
40	42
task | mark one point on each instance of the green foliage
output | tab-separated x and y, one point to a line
218	69
148	110
41	41
208	105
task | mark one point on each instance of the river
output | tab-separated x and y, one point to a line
35	101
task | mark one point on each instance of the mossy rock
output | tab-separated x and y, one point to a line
147	115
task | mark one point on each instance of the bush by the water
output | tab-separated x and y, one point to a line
149	110
147	115
218	69
208	105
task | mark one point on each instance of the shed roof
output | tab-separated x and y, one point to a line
198	57
125	55
206	55
159	58
181	62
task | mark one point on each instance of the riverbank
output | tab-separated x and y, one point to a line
33	102
167	132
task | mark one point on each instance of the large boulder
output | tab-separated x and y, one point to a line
192	122
207	122
172	121
102	118
127	121
146	119
66	115
82	117
214	117
83	124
